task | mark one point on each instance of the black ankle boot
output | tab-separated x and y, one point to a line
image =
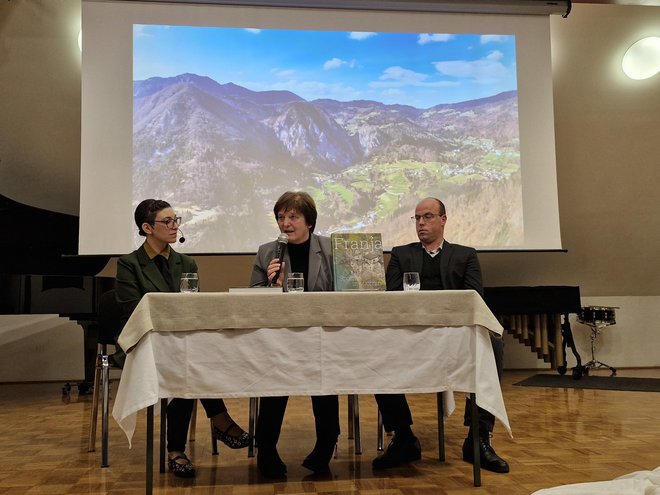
318	459
489	459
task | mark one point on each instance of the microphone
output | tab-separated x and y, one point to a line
282	241
182	239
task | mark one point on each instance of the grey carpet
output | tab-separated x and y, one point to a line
592	382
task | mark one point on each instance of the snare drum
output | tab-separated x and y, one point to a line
597	315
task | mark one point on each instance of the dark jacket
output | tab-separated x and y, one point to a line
137	275
459	266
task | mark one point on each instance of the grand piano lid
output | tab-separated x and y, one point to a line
38	241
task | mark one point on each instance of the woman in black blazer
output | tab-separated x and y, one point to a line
156	267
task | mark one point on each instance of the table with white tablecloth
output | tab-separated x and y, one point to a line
268	344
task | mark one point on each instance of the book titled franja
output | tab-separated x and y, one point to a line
358	262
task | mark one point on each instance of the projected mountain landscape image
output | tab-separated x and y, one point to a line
367	123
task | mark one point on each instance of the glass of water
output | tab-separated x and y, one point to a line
189	282
295	282
411	281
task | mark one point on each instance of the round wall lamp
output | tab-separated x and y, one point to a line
642	59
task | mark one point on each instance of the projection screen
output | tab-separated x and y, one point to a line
220	109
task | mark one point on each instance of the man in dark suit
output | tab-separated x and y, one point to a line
441	265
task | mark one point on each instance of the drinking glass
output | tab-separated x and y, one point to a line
295	282
189	282
411	281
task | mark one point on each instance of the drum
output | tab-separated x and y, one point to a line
597	315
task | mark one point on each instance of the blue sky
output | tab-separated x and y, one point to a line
418	69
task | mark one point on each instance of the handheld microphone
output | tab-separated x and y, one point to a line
282	241
182	239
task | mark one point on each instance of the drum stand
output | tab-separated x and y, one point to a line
596	327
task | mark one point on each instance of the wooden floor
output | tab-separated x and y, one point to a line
561	436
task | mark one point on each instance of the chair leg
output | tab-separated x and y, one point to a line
252	423
94	413
351	419
193	423
105	373
441	427
356	425
380	432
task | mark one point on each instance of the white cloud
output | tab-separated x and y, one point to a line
492	38
398	77
392	93
425	38
253	30
486	69
334	63
283	72
405	76
360	35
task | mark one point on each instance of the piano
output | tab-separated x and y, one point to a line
40	272
533	315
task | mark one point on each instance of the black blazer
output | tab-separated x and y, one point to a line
459	266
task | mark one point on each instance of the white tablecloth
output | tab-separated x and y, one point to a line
637	483
208	360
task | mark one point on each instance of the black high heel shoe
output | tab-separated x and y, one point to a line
318	459
232	441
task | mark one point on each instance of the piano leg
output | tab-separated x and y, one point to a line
567	335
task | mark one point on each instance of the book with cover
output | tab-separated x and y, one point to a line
358	262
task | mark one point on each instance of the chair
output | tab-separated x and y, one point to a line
109	323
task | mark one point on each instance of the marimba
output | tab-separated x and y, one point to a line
533	315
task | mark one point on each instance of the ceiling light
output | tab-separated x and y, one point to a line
642	59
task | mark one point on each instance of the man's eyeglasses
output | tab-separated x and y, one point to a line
170	222
426	216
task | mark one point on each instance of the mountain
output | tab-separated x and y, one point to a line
226	141
314	138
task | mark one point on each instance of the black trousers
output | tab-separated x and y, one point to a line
271	415
396	412
179	412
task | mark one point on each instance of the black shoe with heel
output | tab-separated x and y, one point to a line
232	441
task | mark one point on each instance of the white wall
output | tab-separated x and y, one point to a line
608	159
